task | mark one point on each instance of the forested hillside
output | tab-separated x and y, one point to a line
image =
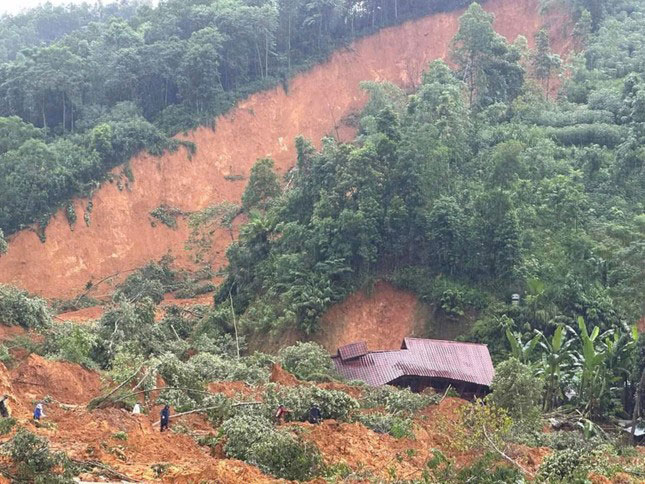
82	89
505	169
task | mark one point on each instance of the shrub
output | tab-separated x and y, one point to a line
284	456
299	399
397	427
167	215
3	243
307	361
35	461
6	424
486	471
18	308
255	440
211	367
563	466
478	423
517	390
71	342
152	281
5	357
396	399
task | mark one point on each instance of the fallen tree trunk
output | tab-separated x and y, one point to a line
238	404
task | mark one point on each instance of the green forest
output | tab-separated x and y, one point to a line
509	170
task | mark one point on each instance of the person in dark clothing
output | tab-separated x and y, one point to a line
315	415
165	418
3	407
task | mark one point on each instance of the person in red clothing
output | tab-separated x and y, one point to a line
281	413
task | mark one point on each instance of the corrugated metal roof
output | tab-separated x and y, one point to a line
467	362
352	350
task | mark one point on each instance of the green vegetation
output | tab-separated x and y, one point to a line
36	462
479	185
307	361
277	452
84	88
383	423
18	308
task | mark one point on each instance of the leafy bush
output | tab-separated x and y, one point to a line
211	367
397	427
3	243
299	399
287	457
396	399
152	281
167	215
255	440
487	471
517	390
6	424
35	461
5	357
479	423
307	361
451	296
71	342
19	308
563	466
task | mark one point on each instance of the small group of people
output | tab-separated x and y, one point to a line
165	415
314	415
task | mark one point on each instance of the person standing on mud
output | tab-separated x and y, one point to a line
4	411
165	418
38	412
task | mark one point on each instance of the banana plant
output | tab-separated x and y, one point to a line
621	345
556	355
594	381
520	350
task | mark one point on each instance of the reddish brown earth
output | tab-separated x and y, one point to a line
120	236
382	317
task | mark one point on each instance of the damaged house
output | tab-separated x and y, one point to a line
419	364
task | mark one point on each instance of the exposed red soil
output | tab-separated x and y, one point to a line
232	388
82	315
381	454
88	435
282	376
66	382
120	236
10	332
382	317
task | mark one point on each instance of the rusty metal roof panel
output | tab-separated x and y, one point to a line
468	362
352	350
376	368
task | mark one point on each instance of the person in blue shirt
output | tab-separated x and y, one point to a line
165	418
38	412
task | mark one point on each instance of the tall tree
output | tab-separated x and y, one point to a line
544	61
485	62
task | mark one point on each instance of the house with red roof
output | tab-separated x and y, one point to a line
419	364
